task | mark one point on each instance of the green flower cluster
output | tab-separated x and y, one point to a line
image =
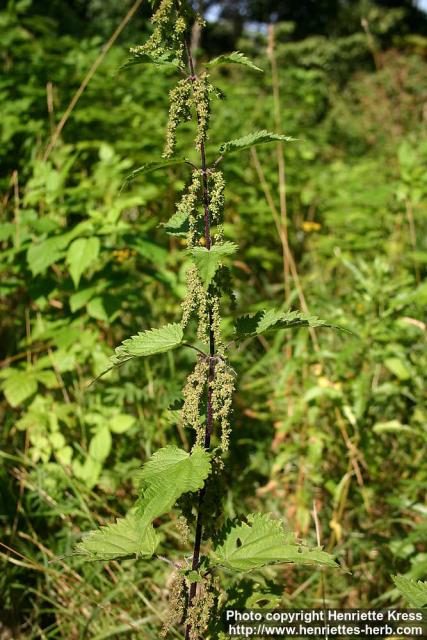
168	33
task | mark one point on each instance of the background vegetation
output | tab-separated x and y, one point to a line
323	419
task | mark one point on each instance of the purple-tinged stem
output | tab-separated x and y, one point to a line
209	410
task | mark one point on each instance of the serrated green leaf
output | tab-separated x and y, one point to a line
262	542
252	139
263	600
169	474
81	253
414	592
208	260
233	58
177	225
152	166
147	343
192	576
124	538
19	386
273	320
145	58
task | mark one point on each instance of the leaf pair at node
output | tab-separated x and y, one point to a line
236	145
171	336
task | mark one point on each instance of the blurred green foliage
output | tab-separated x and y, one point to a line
327	419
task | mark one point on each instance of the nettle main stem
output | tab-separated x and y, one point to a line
211	376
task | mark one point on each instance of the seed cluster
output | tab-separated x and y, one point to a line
216	193
186	209
223	386
167	36
199	614
188	95
179	110
177	600
216	201
194	214
201	103
193	392
183	529
214	303
196	301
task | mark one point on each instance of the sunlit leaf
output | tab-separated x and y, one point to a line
126	537
208	261
81	253
147	343
263	541
414	592
252	139
233	58
168	474
19	386
273	320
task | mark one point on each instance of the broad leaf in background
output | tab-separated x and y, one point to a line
208	261
121	423
263	541
81	254
82	297
398	367
273	320
233	58
252	139
19	386
100	445
414	592
40	256
124	538
149	342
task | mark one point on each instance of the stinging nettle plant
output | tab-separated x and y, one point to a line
172	475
